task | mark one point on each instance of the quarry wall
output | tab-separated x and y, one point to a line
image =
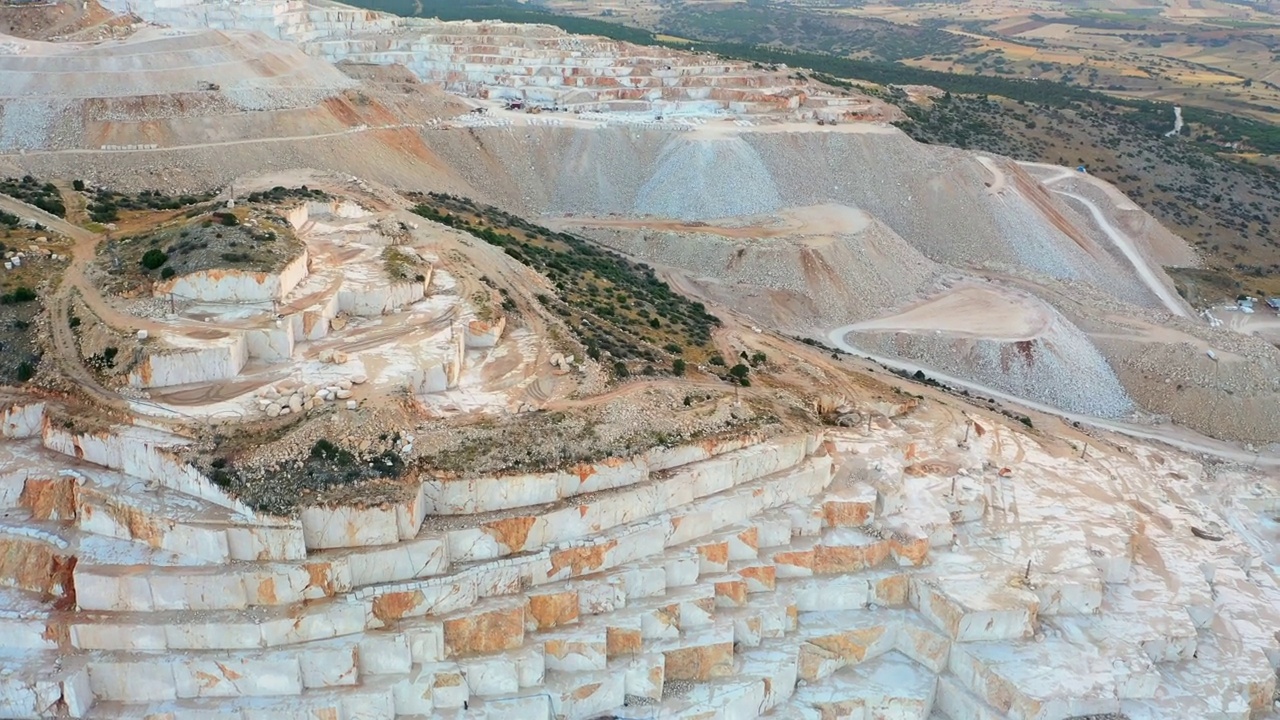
227	285
220	359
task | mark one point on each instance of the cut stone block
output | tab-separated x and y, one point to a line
575	649
583	695
488	627
490	676
976	609
853	507
890	686
698	655
643	675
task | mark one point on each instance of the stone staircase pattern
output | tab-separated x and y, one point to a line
789	577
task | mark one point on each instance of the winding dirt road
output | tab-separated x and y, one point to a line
1123	242
73	282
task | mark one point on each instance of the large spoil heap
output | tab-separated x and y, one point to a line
895	571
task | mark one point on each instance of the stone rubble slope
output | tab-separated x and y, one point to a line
806	280
60	95
1061	367
935	198
941	570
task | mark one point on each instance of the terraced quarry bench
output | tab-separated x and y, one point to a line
805	576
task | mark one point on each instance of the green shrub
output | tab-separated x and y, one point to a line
620	369
167	273
26	371
739	370
77	185
328	452
678	367
154	258
19	295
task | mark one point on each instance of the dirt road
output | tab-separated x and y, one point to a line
1178	437
73	282
1126	245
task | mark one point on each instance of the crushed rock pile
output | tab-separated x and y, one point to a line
1236	396
936	198
1060	367
796	283
60	96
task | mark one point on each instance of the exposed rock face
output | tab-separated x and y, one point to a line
799	574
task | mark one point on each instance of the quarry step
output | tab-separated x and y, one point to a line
953	701
147	454
504	533
217	629
724	468
610	549
698	654
41	683
887	681
584	695
374	700
290	670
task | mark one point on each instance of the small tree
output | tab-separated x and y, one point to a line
739	371
154	258
620	369
678	367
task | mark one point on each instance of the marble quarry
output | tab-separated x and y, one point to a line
538	64
329	326
879	573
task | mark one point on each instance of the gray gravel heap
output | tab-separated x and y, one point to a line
1061	367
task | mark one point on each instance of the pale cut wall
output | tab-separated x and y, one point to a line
379	300
181	366
431	377
300	215
313	322
223	285
22	421
272	344
134	452
481	334
732	465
